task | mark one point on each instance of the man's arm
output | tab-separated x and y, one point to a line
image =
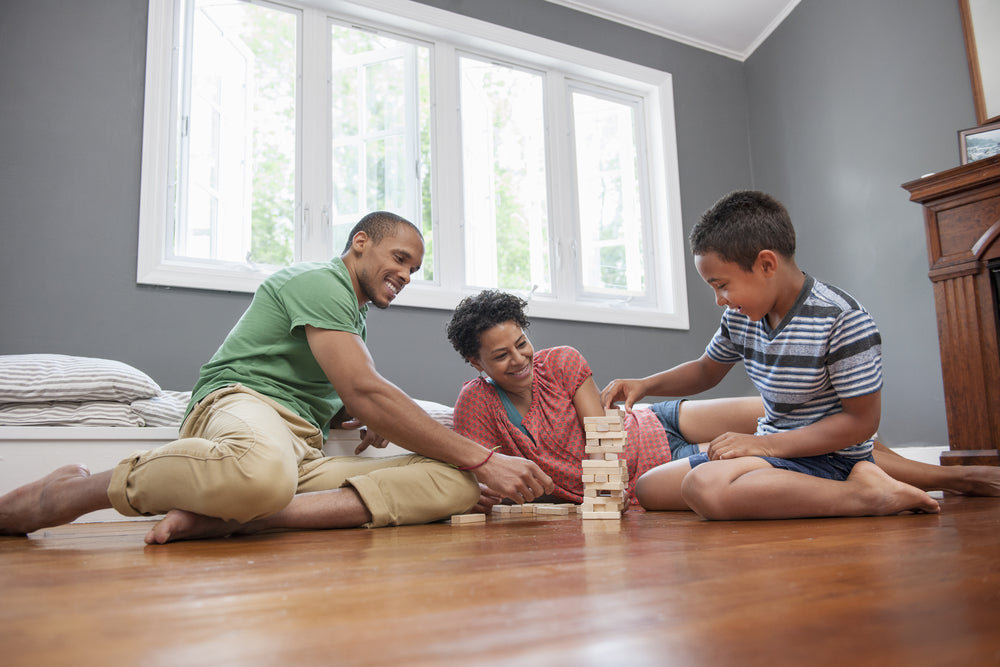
385	408
687	379
858	422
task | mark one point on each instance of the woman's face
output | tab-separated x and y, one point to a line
505	355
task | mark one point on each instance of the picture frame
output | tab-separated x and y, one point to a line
980	22
978	143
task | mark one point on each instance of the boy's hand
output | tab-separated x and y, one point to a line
734	445
628	391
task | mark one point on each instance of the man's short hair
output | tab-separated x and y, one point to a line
740	225
377	225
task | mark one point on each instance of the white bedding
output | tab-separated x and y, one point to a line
57	410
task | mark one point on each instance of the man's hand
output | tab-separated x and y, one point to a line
368	438
511	477
628	391
734	445
487	499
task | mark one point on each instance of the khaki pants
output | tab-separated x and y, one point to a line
243	456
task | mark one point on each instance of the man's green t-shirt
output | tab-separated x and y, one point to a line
267	350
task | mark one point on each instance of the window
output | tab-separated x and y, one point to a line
271	128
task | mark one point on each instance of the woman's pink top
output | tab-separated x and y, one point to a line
553	423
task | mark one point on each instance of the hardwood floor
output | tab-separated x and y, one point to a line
651	589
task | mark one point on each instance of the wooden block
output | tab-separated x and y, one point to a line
501	509
467	518
606	486
595	425
551	509
601	515
588	464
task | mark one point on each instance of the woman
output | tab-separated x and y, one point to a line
531	403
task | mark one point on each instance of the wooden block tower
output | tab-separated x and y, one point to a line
605	476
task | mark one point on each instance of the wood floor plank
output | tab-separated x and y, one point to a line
650	589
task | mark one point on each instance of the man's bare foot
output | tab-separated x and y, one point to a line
46	502
884	495
184	525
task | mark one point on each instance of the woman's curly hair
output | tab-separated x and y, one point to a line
475	314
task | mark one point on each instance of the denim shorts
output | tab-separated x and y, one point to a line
827	466
668	412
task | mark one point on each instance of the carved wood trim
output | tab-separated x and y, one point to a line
962	226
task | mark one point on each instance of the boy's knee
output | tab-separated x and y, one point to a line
700	491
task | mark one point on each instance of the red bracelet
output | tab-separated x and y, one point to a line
479	465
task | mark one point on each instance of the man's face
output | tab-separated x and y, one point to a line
385	268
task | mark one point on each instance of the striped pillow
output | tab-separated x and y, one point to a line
91	413
37	378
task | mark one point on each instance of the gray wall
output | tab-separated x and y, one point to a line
834	105
848	100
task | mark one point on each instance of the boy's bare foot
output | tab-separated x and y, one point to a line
49	501
184	525
884	495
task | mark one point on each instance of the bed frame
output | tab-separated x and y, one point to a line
30	452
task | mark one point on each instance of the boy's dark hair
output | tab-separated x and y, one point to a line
377	225
740	225
475	314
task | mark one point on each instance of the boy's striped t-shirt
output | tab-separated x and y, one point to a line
825	349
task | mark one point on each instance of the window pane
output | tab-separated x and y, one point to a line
609	200
380	125
503	162
236	180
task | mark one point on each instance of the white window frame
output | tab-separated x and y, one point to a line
449	33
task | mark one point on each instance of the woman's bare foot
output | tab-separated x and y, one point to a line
184	525
974	480
53	500
884	495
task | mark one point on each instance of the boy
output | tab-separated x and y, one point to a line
814	354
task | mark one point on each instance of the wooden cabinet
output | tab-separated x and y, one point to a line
962	222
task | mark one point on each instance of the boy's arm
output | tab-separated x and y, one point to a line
857	423
687	379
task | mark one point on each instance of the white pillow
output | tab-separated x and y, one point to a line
94	413
439	412
37	378
167	409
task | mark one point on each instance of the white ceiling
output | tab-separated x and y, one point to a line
733	28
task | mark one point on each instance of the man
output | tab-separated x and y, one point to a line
252	438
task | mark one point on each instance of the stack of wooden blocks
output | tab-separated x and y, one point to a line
605	476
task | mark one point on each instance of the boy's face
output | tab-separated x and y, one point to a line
736	289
